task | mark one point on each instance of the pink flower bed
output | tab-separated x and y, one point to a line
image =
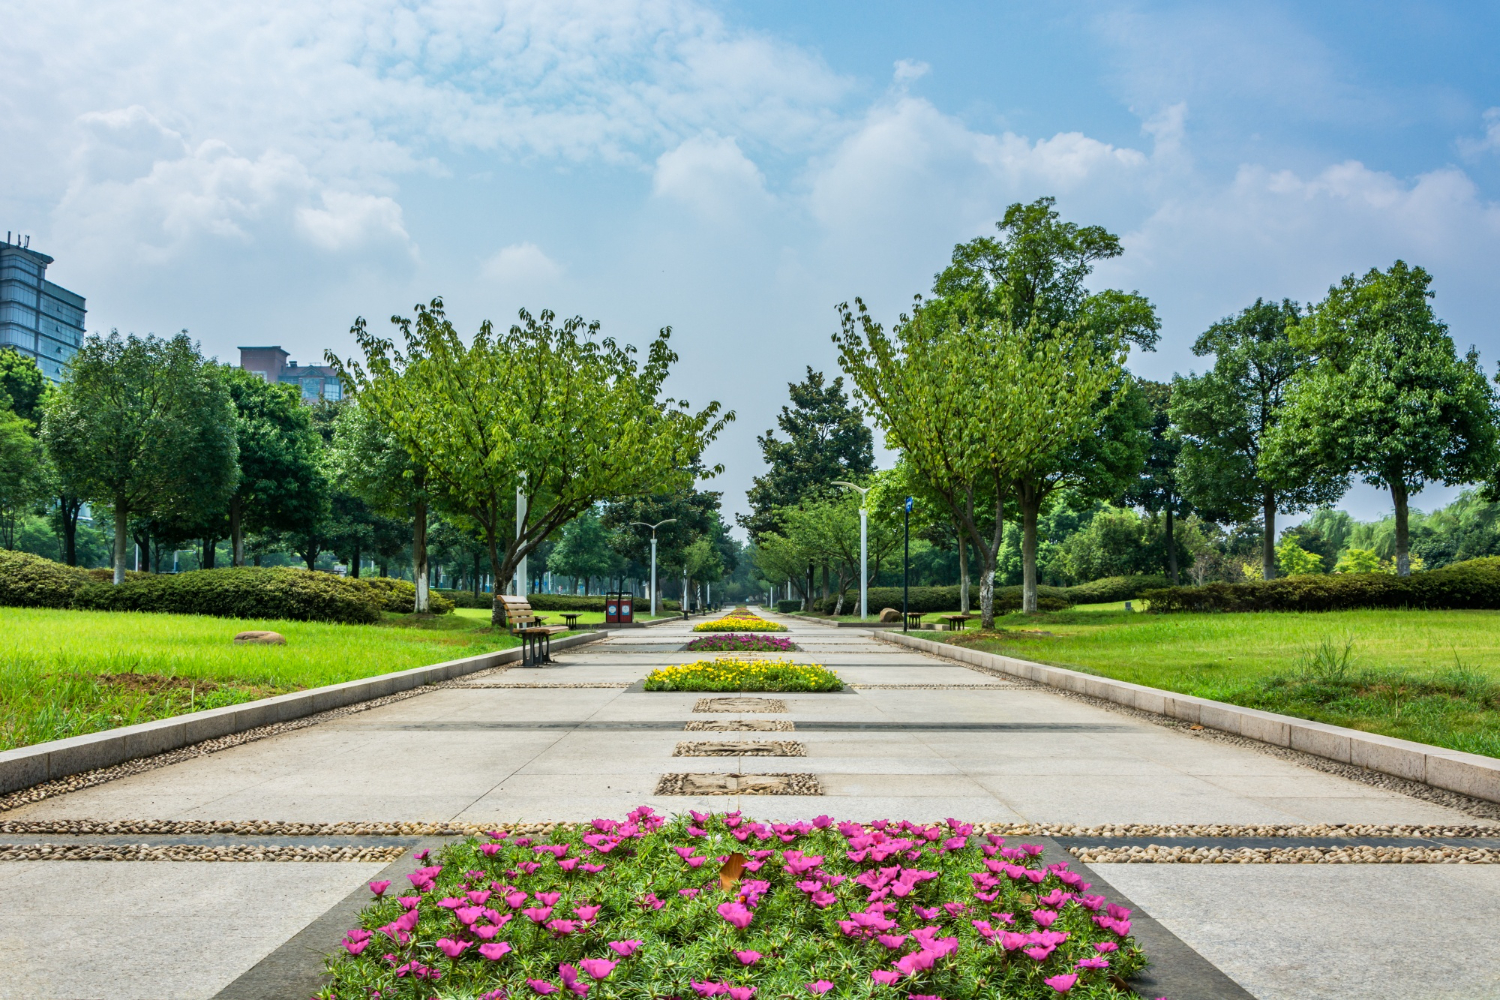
718	905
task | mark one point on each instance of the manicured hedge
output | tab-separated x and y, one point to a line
1113	588
786	607
1474	584
30	581
400	596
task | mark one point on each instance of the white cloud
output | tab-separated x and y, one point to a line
908	71
349	220
710	174
1472	148
522	264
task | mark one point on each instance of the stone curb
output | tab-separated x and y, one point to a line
1466	773
27	766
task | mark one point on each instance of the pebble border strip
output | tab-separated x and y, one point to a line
1477	808
99	776
1157	854
743	748
930	687
533	686
196	852
796	784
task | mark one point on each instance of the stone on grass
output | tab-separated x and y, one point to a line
258	638
890	615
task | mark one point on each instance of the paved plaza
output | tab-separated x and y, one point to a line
917	737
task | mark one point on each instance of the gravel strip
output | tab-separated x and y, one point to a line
99	776
1157	854
931	687
265	828
1478	808
194	852
543	685
741	748
1350	830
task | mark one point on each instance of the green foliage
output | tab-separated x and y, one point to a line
143	426
1293	560
1111	545
22	483
23	387
547	602
1474	584
928	600
1358	561
1388	398
282	482
1227	416
584	551
30	581
398	596
786	607
1113	588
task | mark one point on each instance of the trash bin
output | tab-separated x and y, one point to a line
619	609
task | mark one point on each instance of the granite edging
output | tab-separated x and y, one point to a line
32	765
1466	773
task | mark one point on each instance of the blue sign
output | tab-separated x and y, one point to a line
909	501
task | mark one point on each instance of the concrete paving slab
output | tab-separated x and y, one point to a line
1311	932
144	930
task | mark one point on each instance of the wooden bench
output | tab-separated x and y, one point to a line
531	629
956	623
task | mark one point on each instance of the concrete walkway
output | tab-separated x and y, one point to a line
919	737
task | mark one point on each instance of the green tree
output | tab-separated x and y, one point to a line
145	428
1386	396
1227	416
370	464
22	484
1157	490
1294	560
545	410
691	511
826	439
281	483
23	387
1030	278
1111	545
963	403
583	551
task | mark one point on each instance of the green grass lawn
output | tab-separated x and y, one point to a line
65	673
1430	676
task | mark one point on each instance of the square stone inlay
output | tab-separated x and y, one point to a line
741	748
739	784
740	705
740	726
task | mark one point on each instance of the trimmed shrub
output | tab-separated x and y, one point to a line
1113	588
788	606
28	581
400	596
1473	585
927	600
249	592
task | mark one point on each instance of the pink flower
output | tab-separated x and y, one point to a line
567	864
407	902
452	948
379	888
592	869
926	912
422	855
479	896
892	941
562	928
1044	918
515	900
1105	946
586	912
624	948
538	914
709	989
355	947
598	968
489	850
547	898
820	987
741	992
884	977
541	986
736	914
688	893
748	957
822	899
1062	984
1092	963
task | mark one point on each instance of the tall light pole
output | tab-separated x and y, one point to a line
906	567
653	528
864	524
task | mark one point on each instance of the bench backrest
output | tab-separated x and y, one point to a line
516	608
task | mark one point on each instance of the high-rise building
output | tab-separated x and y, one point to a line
270	363
41	320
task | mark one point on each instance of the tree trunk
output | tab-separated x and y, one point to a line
1403	557
236	533
122	538
209	544
1171	548
354	563
419	556
963	574
69	508
1031	502
1268	542
310	556
825	581
476	576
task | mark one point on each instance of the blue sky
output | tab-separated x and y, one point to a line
265	172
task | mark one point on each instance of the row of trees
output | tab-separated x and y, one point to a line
546	420
1007	387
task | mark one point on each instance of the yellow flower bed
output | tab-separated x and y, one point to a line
732	673
739	620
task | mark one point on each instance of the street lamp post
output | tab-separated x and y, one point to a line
906	567
653	528
864	521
